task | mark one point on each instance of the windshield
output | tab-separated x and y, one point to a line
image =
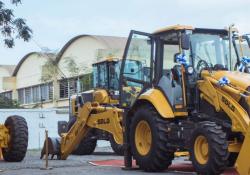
209	50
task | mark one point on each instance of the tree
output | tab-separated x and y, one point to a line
6	103
50	70
12	27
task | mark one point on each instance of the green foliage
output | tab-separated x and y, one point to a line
75	69
71	66
49	71
12	27
86	82
6	103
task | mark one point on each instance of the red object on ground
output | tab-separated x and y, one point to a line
184	167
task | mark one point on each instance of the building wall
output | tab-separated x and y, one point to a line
3	73
38	120
30	72
83	51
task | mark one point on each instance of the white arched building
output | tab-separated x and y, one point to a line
6	72
73	61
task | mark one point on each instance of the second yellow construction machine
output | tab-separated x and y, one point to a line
106	94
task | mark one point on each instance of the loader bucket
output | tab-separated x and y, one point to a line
53	147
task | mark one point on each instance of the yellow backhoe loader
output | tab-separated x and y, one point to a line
14	139
106	94
105	87
185	98
190	101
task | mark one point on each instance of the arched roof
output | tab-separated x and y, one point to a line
109	41
25	58
21	62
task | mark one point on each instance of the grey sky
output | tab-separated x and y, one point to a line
54	22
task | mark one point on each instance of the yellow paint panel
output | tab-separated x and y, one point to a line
174	27
181	114
237	79
234	147
4	136
242	163
158	100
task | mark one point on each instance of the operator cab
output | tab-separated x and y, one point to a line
106	74
175	57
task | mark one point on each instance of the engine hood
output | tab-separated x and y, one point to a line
238	79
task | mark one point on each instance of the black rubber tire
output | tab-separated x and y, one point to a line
117	148
217	146
18	139
159	156
87	145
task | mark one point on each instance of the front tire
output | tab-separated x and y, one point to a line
117	148
148	138
209	148
17	146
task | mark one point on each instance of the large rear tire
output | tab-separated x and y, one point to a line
117	148
17	146
209	148
87	144
149	141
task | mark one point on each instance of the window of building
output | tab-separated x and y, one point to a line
7	94
50	85
64	88
68	87
28	95
21	96
35	94
72	86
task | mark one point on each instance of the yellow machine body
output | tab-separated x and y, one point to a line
157	99
92	115
226	99
100	96
4	136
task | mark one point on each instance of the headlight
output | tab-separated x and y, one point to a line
190	70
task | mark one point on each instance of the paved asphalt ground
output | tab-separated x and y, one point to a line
74	165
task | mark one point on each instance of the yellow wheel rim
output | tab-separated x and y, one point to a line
201	149
143	137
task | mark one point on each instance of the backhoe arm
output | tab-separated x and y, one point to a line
92	115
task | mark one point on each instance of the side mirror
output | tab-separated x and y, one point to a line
185	41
